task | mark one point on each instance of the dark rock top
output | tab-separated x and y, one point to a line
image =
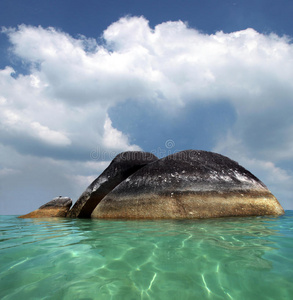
121	167
190	170
58	207
189	184
58	202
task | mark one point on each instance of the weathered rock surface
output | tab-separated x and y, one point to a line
121	167
58	207
189	184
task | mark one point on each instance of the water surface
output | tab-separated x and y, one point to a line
229	258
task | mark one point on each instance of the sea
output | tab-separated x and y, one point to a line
227	258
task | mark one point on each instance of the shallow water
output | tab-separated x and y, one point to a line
232	258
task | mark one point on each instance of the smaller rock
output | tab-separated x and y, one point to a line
58	207
121	167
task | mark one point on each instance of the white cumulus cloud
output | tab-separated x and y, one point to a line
114	139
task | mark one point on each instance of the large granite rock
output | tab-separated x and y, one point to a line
189	184
121	167
58	207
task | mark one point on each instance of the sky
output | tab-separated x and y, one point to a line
82	81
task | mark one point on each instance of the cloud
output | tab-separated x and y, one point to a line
114	139
27	181
15	122
59	108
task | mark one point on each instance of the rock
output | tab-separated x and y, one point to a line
58	207
121	167
189	184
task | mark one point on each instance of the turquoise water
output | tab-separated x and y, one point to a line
234	258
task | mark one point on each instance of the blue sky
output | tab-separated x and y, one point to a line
81	81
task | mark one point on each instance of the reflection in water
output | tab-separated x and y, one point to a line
231	258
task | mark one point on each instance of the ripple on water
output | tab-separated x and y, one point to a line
236	258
